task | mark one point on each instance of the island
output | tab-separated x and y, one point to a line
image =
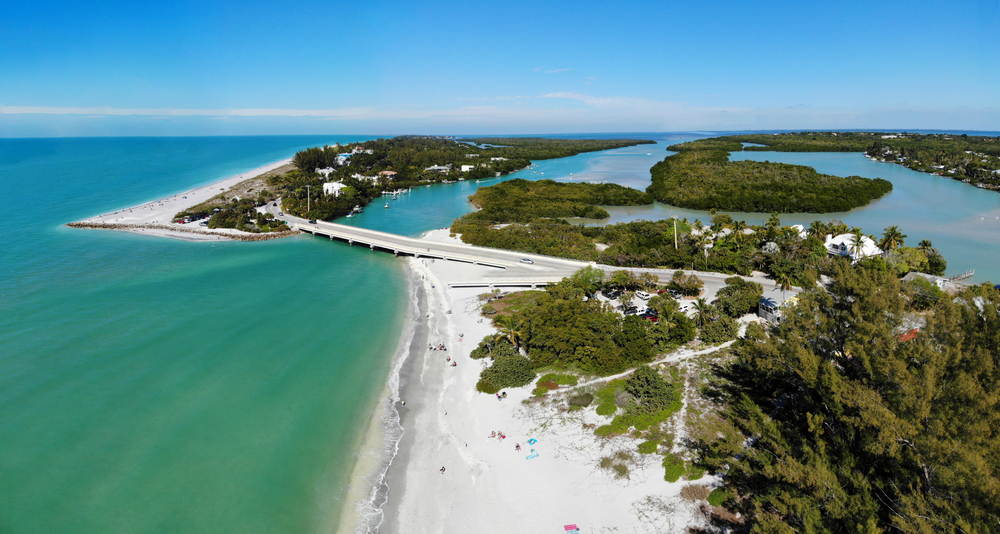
971	159
701	176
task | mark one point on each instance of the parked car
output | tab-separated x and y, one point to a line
642	295
526	260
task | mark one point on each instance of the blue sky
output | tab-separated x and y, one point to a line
190	68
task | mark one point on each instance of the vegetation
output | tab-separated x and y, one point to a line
739	297
526	215
975	159
855	428
370	168
706	179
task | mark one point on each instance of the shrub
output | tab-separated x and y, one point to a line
673	468
621	471
540	391
486	387
549	385
604	431
719	496
561	379
509	372
724	328
606	462
695	472
488	309
739	297
695	492
607	408
649	447
581	399
755	332
490	347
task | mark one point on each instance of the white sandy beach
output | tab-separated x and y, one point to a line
487	485
156	217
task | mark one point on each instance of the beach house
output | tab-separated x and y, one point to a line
467	168
325	172
443	169
388	174
843	245
332	188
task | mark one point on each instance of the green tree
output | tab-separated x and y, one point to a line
856	430
703	312
892	238
739	297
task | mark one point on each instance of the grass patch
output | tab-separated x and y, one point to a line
560	379
540	391
719	496
606	397
695	492
673	467
649	447
516	302
581	400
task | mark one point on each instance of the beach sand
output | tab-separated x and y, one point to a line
155	218
487	485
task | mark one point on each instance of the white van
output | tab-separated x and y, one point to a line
642	295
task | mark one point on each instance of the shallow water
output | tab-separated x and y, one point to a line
154	385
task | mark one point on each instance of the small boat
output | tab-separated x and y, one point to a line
387	204
349	215
571	174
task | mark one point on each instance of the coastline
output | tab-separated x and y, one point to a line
155	217
488	485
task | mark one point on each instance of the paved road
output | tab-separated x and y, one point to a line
542	268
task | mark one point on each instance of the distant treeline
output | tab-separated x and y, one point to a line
527	215
705	179
409	157
963	157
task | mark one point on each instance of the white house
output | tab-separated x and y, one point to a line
498	159
443	169
801	230
467	168
362	150
342	159
843	245
361	177
332	188
325	172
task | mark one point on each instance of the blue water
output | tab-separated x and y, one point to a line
153	385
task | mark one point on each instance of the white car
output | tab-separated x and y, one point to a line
642	294
526	260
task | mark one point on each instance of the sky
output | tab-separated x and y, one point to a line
379	67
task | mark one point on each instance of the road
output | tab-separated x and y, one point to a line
509	267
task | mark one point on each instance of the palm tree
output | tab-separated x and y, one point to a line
738	236
784	282
511	328
817	229
702	312
926	247
858	242
892	238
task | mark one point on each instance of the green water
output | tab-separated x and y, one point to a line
152	385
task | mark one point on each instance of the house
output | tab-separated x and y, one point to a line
472	155
938	281
333	188
362	150
770	308
467	168
388	174
362	177
443	169
325	172
801	230
342	159
498	159
843	245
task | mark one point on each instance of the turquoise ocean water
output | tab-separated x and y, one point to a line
153	385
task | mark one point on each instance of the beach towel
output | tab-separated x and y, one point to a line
571	529
532	455
532	441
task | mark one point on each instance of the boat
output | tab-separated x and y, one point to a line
387	204
351	214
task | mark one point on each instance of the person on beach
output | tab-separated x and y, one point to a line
517	447
442	469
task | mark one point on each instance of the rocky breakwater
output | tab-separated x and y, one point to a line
241	236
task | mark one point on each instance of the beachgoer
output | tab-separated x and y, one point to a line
442	469
517	447
454	364
493	434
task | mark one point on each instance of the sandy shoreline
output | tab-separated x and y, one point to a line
487	485
154	218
